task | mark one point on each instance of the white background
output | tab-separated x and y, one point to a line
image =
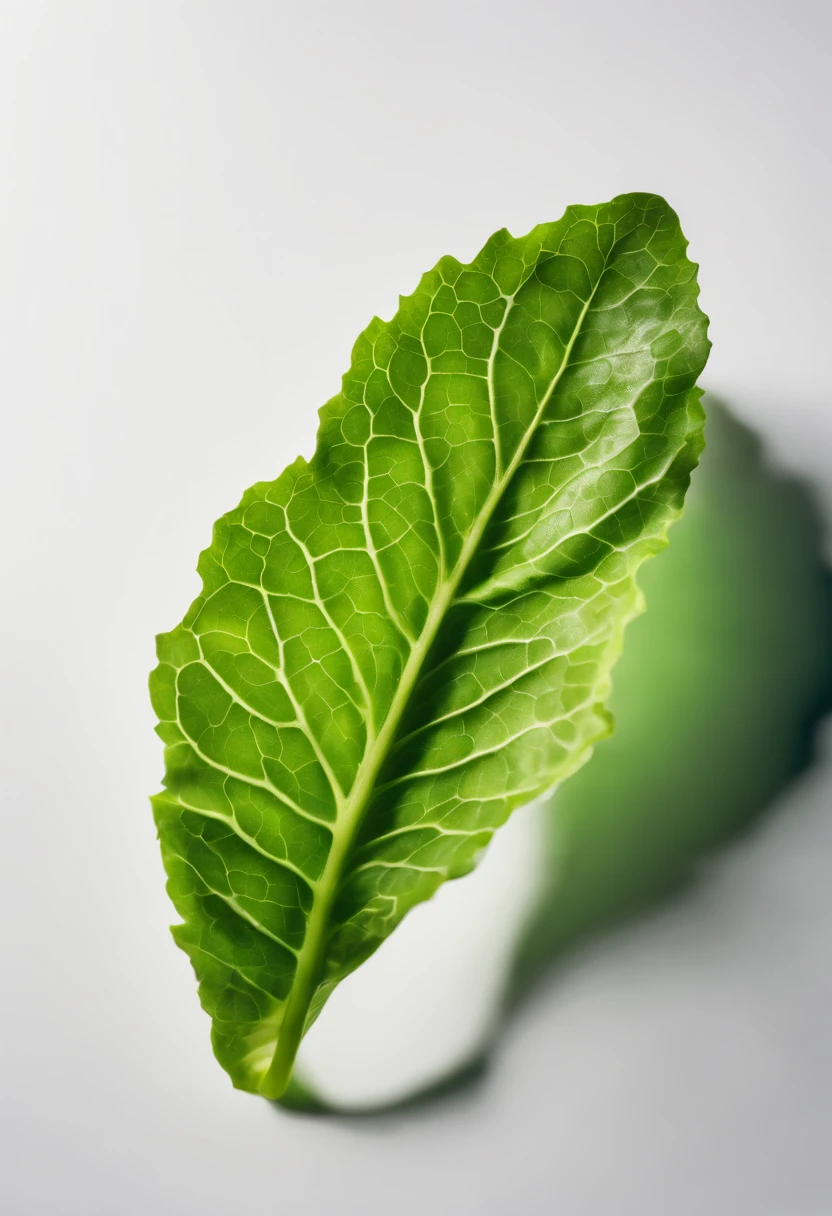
202	204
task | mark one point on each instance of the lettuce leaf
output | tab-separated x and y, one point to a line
401	641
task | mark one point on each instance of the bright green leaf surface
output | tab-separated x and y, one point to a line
401	641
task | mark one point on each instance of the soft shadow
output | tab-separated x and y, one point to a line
716	700
457	1084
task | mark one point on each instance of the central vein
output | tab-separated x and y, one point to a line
312	954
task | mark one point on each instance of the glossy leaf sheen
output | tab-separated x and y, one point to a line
404	639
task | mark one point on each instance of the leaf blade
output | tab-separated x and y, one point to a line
404	639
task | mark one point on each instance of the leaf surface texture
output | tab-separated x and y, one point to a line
404	639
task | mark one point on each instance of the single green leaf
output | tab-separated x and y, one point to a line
404	639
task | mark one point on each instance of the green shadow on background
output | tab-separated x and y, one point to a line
716	699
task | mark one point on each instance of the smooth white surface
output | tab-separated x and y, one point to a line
203	202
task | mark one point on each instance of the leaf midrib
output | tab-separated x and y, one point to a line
311	954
